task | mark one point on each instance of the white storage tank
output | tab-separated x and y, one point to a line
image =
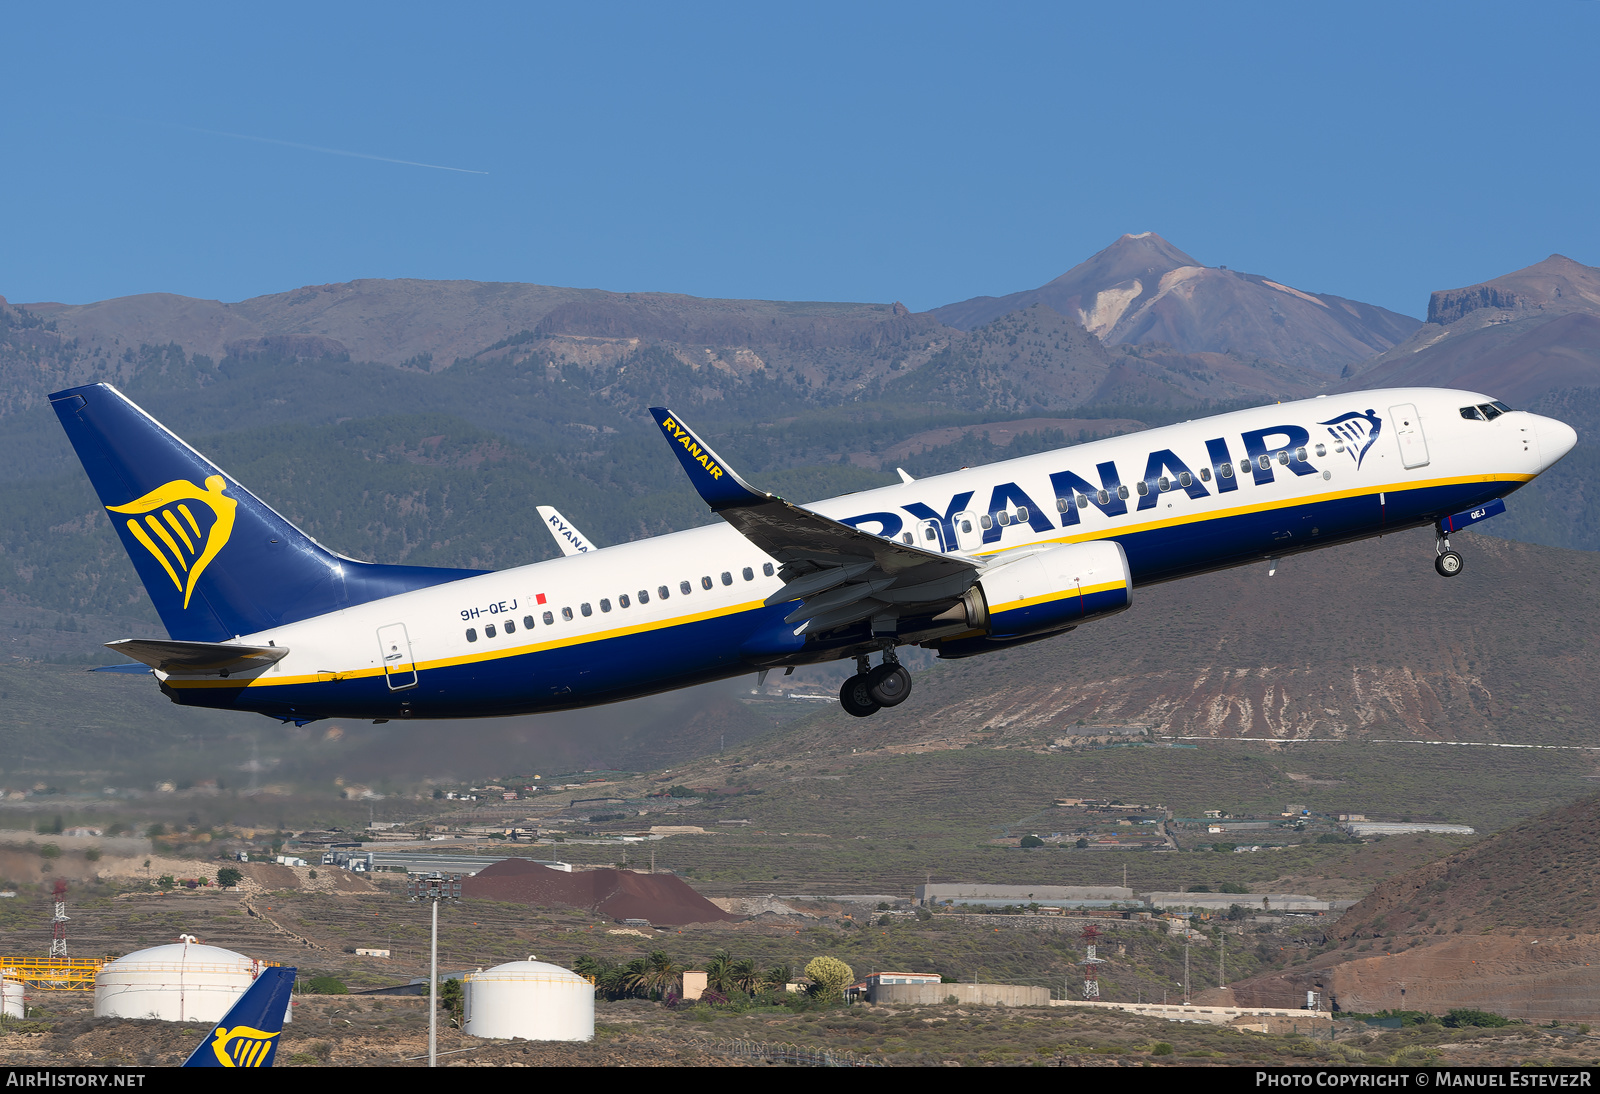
185	981
530	999
13	1001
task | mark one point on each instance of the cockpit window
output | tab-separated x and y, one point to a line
1503	408
1490	411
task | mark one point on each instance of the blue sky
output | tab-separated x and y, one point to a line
924	153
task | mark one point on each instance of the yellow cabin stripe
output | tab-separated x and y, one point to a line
1260	507
717	613
476	658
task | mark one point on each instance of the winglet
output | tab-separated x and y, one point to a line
247	1036
715	481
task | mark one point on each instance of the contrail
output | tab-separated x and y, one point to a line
318	148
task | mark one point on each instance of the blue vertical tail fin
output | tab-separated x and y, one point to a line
216	560
247	1036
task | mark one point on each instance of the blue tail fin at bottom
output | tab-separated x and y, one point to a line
216	560
247	1036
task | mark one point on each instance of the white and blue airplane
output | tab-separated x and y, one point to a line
263	618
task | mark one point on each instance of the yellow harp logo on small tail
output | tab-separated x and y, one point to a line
241	1046
173	535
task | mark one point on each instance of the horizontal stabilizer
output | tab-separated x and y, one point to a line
198	658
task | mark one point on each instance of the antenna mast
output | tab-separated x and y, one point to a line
1091	973
58	934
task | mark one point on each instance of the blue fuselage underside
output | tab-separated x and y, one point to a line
628	666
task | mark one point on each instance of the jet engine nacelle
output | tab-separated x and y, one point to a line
1042	594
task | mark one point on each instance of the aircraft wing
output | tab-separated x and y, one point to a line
569	539
842	574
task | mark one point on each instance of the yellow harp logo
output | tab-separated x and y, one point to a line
241	1046
170	523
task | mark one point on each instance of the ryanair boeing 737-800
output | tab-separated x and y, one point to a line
263	618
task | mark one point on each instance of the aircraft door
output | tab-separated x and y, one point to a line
1408	431
929	536
969	534
399	670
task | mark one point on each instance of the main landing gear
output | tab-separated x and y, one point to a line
1449	563
869	690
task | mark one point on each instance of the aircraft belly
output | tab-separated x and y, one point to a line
559	678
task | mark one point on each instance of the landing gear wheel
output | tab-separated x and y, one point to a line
1449	564
889	685
855	698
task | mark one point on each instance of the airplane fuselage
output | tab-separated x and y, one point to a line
680	609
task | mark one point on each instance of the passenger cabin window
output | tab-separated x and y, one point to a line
705	582
986	521
488	631
1003	517
1283	458
550	620
1143	487
1022	513
1322	450
472	634
966	526
905	537
566	613
644	596
1063	504
1300	455
766	568
511	628
1265	463
1205	475
748	574
929	533
1104	496
1164	483
527	621
1185	479
1225	471
605	604
1122	492
1244	465
727	578
663	592
585	609
684	587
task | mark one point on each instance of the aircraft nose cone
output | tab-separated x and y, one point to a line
1556	439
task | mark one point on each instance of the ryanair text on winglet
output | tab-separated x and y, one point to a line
685	438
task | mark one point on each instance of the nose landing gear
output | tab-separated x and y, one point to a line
1448	563
869	690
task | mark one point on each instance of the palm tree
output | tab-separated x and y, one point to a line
659	974
719	972
746	978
